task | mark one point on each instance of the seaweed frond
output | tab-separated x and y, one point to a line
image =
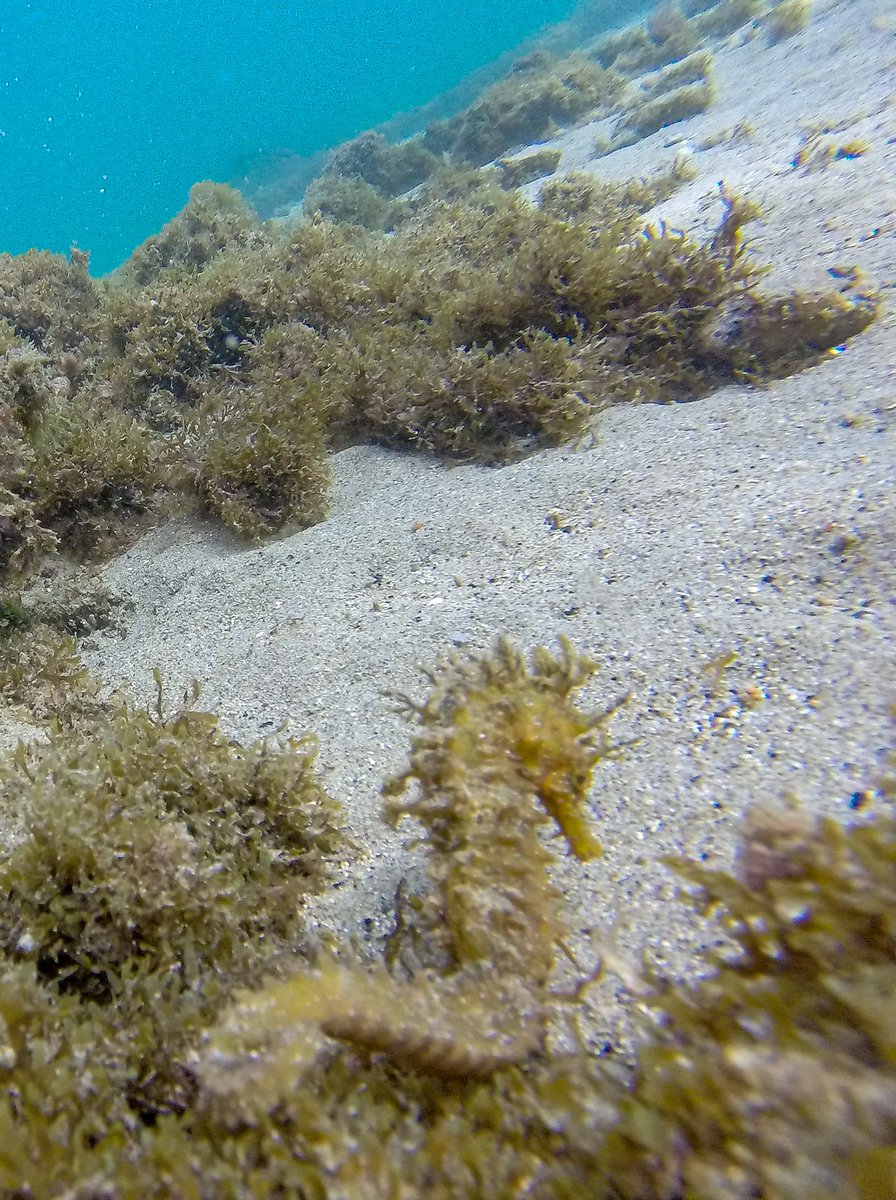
776	1075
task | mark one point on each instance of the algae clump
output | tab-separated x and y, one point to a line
785	18
156	843
158	864
220	366
165	1030
539	95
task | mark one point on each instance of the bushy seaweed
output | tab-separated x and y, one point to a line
671	34
581	196
540	95
818	149
226	360
260	475
724	17
665	37
785	18
160	867
696	68
42	675
24	542
49	300
167	343
215	218
351	201
159	862
95	472
141	839
516	172
775	1077
646	115
388	169
761	338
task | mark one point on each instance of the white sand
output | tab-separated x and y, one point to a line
685	532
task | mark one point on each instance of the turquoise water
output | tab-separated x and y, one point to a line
110	111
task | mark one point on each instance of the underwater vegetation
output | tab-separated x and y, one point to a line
818	149
673	94
794	1028
676	104
157	862
785	18
48	302
389	168
353	201
539	96
544	93
168	1026
422	303
167	1030
140	838
666	36
228	357
515	172
671	32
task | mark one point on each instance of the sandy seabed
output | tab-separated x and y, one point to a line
757	523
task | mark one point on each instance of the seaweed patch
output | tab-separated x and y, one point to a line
166	1030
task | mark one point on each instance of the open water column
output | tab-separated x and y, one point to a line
109	112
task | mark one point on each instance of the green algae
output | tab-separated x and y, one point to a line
678	104
516	172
